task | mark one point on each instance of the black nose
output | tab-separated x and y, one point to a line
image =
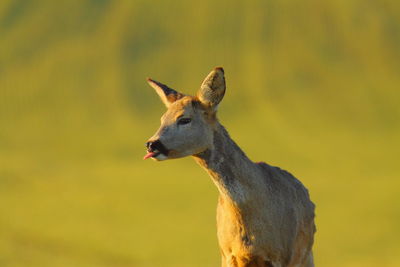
148	144
156	145
152	145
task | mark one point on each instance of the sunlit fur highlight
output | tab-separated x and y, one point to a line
264	215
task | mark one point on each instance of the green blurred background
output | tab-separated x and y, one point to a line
312	86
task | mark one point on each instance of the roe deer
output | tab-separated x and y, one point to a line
264	215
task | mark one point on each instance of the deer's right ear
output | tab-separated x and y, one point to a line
167	95
212	89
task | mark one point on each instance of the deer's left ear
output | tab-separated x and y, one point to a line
212	89
167	95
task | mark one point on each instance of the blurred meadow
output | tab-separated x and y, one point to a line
312	86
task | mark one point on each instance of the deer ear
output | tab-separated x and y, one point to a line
167	95
212	89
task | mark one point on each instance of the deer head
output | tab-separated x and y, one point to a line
187	125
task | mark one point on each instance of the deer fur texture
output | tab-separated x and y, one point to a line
264	214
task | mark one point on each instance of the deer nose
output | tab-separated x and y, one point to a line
148	144
152	145
156	145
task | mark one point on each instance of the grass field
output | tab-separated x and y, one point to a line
312	86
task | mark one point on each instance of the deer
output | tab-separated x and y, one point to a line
264	214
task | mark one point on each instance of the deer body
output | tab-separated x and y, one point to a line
264	214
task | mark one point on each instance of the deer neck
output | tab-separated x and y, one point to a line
229	167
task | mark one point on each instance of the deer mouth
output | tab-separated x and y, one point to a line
151	154
155	149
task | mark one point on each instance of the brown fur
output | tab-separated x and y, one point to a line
264	214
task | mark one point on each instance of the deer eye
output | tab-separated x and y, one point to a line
184	121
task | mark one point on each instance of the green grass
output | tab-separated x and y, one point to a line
312	87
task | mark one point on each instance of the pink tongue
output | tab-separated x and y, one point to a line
149	155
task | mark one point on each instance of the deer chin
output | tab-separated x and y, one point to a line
159	157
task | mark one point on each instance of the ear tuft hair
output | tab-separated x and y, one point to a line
220	69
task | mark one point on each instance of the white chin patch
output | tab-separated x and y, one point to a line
160	157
